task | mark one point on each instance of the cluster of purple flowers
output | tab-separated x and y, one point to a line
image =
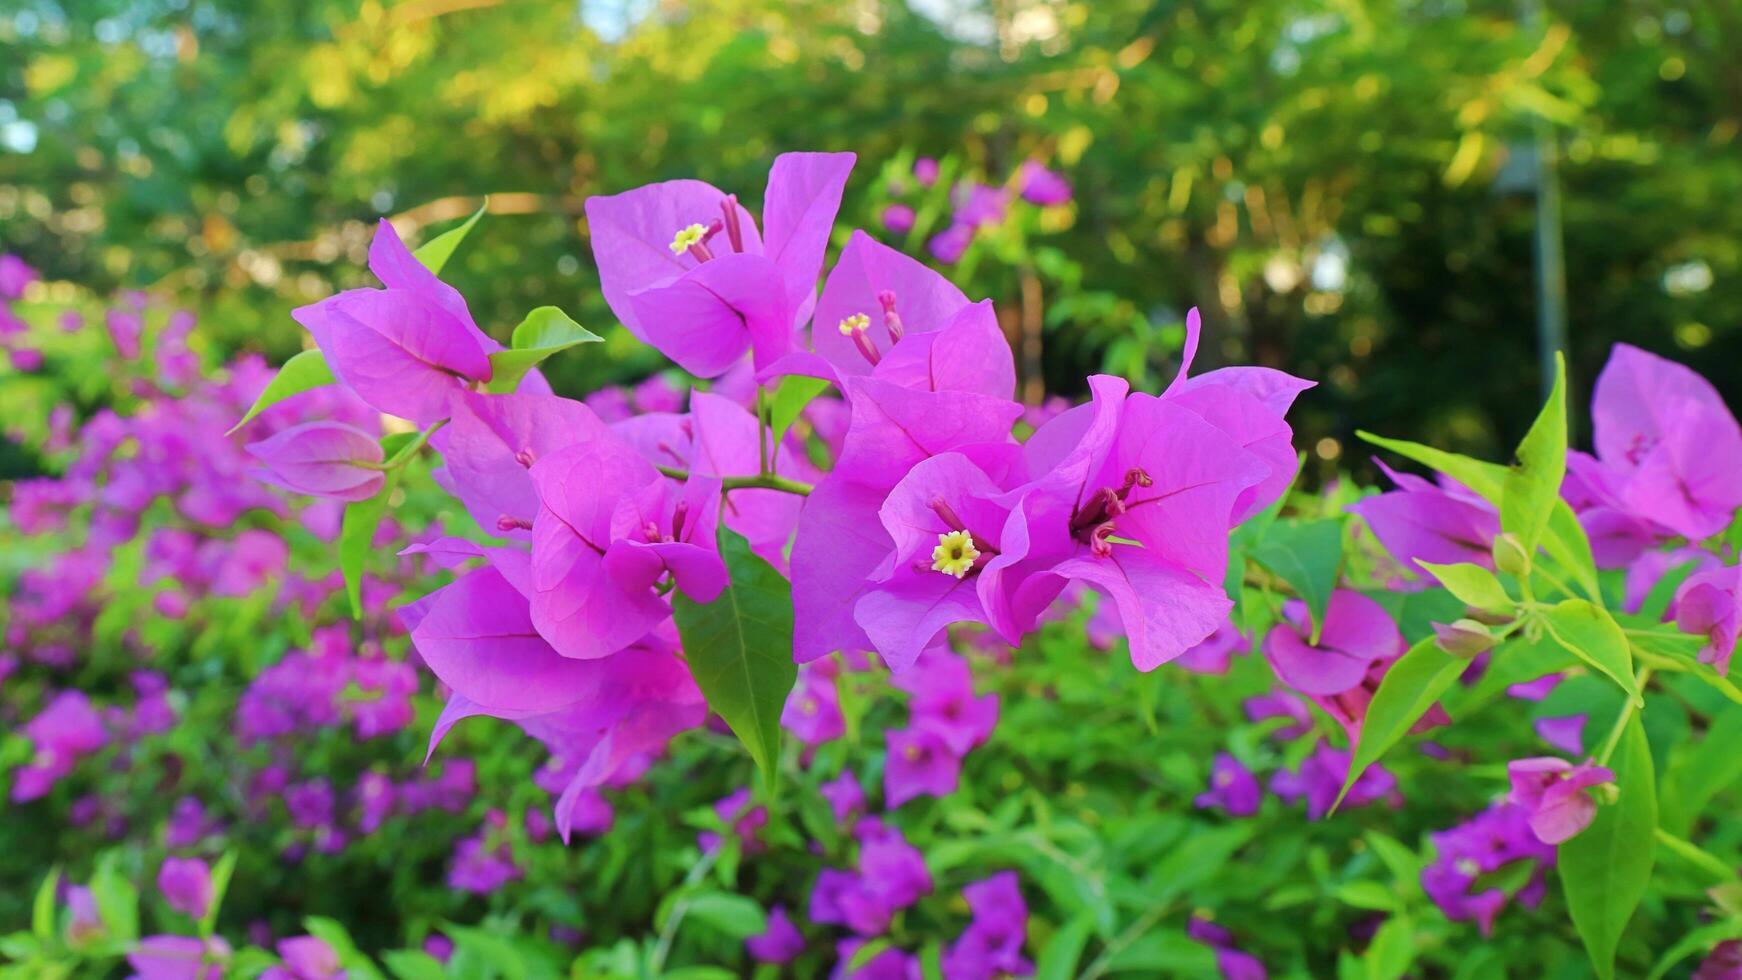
974	206
931	514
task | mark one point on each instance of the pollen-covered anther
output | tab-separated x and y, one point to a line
687	237
955	554
857	323
855	327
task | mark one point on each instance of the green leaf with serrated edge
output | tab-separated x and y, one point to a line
790	399
1698	941
1410	687
1059	957
434	254
356	533
1564	540
740	649
299	374
1606	868
1473	584
1307	555
1588	632
545	331
42	910
1533	484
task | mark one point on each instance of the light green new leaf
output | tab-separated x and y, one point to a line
794	393
1533	485
356	533
545	331
42	910
734	915
1591	634
117	899
435	253
1307	555
1412	686
302	372
1058	959
1392	950
1605	869
1472	584
740	649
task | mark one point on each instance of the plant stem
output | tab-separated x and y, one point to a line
1621	720
762	432
404	455
767	481
662	949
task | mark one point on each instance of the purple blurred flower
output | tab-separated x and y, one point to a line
846	797
925	171
305	958
179	958
1233	788
920	763
897	218
1320	778
1493	839
186	884
779	943
948	246
1041	186
1553	792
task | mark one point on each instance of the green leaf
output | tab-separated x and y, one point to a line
221	875
1307	555
1588	632
1605	869
1412	686
413	964
794	393
1472	584
1392	950
1712	766
1058	960
734	915
299	374
740	649
356	534
1368	895
42	910
545	331
116	898
329	931
435	253
1698	941
1533	485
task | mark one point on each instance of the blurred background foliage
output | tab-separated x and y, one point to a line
1346	188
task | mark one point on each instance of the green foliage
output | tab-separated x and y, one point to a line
1307	555
739	649
1533	485
299	374
545	331
1414	684
1606	869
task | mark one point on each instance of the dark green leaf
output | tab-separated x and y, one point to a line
1058	960
1605	869
1307	554
740	649
302	372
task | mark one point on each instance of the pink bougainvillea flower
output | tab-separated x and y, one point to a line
66	729
813	709
1320	778
1553	792
179	958
1669	455
493	440
920	763
186	884
941	698
1233	788
305	958
779	943
991	946
1710	605
1041	186
686	269
609	529
322	459
722	443
1420	521
1357	632
845	796
406	349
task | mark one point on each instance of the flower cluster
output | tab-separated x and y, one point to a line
974	206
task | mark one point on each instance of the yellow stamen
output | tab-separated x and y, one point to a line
686	237
853	324
955	554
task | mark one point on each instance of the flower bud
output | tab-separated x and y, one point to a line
1510	556
1464	639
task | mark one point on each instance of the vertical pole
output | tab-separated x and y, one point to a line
1551	262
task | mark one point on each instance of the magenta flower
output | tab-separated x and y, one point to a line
920	763
845	796
186	884
1231	962
890	964
16	275
609	529
1215	654
493	440
1357	633
322	459
179	958
1420	521
949	245
685	268
779	943
1233	788
1553	792
1472	851
1708	605
406	349
813	709
67	728
1041	186
305	958
1320	778
991	946
897	218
